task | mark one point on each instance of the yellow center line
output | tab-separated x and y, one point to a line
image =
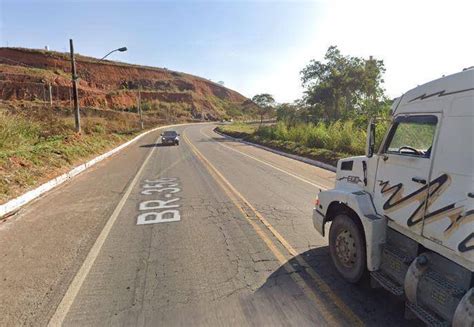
235	196
268	164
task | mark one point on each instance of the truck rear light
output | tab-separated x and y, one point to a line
316	202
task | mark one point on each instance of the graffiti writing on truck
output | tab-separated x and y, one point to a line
163	204
430	192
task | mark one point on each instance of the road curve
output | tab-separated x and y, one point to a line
210	232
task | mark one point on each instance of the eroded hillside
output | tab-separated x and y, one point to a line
25	75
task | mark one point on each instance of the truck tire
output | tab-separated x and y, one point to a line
347	248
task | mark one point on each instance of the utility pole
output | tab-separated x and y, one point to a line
77	117
140	108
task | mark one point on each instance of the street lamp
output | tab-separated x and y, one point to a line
77	116
122	49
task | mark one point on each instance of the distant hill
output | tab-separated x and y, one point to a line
25	74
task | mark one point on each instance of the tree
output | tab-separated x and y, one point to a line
343	87
293	113
265	103
286	112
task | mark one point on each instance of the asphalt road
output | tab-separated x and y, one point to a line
210	232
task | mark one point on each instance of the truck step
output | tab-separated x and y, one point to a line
425	316
387	283
396	254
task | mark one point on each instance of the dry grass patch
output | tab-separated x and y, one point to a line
37	145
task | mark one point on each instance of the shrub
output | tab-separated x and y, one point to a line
267	132
339	136
318	137
345	137
298	133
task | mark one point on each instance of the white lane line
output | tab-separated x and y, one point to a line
269	164
68	299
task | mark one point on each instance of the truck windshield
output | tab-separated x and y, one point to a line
412	136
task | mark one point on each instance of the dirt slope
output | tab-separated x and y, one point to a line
25	74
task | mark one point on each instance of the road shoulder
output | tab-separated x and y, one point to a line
44	245
282	153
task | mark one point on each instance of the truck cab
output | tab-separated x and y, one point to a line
404	214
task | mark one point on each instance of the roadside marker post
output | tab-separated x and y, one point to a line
50	94
140	108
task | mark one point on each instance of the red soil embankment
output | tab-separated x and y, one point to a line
25	75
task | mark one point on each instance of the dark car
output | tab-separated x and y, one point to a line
170	138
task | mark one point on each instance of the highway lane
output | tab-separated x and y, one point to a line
268	181
205	268
236	247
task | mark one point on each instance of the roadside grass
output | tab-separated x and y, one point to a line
37	146
239	130
323	142
166	110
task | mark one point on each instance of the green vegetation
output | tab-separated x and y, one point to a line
39	145
343	87
329	122
324	142
276	137
338	88
338	136
239	130
265	103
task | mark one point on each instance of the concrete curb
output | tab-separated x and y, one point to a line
15	204
288	155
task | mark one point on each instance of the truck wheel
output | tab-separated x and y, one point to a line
347	248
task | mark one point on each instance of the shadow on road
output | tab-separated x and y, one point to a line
375	307
154	145
220	139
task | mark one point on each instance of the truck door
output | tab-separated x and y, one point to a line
449	217
403	171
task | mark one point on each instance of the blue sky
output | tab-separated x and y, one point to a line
236	42
253	46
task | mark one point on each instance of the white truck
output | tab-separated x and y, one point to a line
405	214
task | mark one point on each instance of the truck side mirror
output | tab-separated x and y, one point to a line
370	144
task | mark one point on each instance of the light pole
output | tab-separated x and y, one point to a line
122	49
77	115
